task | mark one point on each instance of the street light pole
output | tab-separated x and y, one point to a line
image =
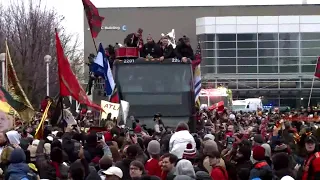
3	68
47	59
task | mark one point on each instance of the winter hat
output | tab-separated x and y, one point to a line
209	136
132	151
35	142
232	117
153	147
189	152
245	142
32	149
17	156
258	138
258	153
280	161
245	151
267	150
287	178
311	139
47	148
281	148
209	146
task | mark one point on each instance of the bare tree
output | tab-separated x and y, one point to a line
30	32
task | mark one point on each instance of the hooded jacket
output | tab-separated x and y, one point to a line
17	169
202	175
45	167
184	167
183	177
178	142
261	170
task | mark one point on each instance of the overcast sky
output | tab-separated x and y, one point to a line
73	10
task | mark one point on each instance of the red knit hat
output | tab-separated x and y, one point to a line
189	152
258	153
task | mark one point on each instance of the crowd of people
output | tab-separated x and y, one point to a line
163	49
227	145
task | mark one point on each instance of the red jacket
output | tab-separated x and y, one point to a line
153	168
311	167
219	173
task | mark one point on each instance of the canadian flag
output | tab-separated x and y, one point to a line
219	106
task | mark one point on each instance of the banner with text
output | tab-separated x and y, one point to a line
111	110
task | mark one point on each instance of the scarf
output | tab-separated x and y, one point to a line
56	166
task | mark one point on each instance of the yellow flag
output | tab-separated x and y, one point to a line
13	86
40	128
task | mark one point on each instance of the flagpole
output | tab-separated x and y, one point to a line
315	71
6	66
62	114
311	91
94	42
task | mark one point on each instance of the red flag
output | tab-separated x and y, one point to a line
115	97
93	17
219	106
198	57
69	85
317	72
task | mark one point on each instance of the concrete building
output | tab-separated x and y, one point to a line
267	51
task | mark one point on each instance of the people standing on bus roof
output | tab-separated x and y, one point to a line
167	49
151	49
134	39
184	50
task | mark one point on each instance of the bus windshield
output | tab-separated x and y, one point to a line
154	78
158	86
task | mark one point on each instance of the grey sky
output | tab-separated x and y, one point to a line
73	10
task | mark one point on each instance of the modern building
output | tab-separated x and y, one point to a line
268	51
269	56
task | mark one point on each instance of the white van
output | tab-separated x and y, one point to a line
247	105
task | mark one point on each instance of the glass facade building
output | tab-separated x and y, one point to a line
269	56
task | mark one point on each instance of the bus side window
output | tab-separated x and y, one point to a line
248	106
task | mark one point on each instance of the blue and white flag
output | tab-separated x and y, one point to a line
197	75
101	67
